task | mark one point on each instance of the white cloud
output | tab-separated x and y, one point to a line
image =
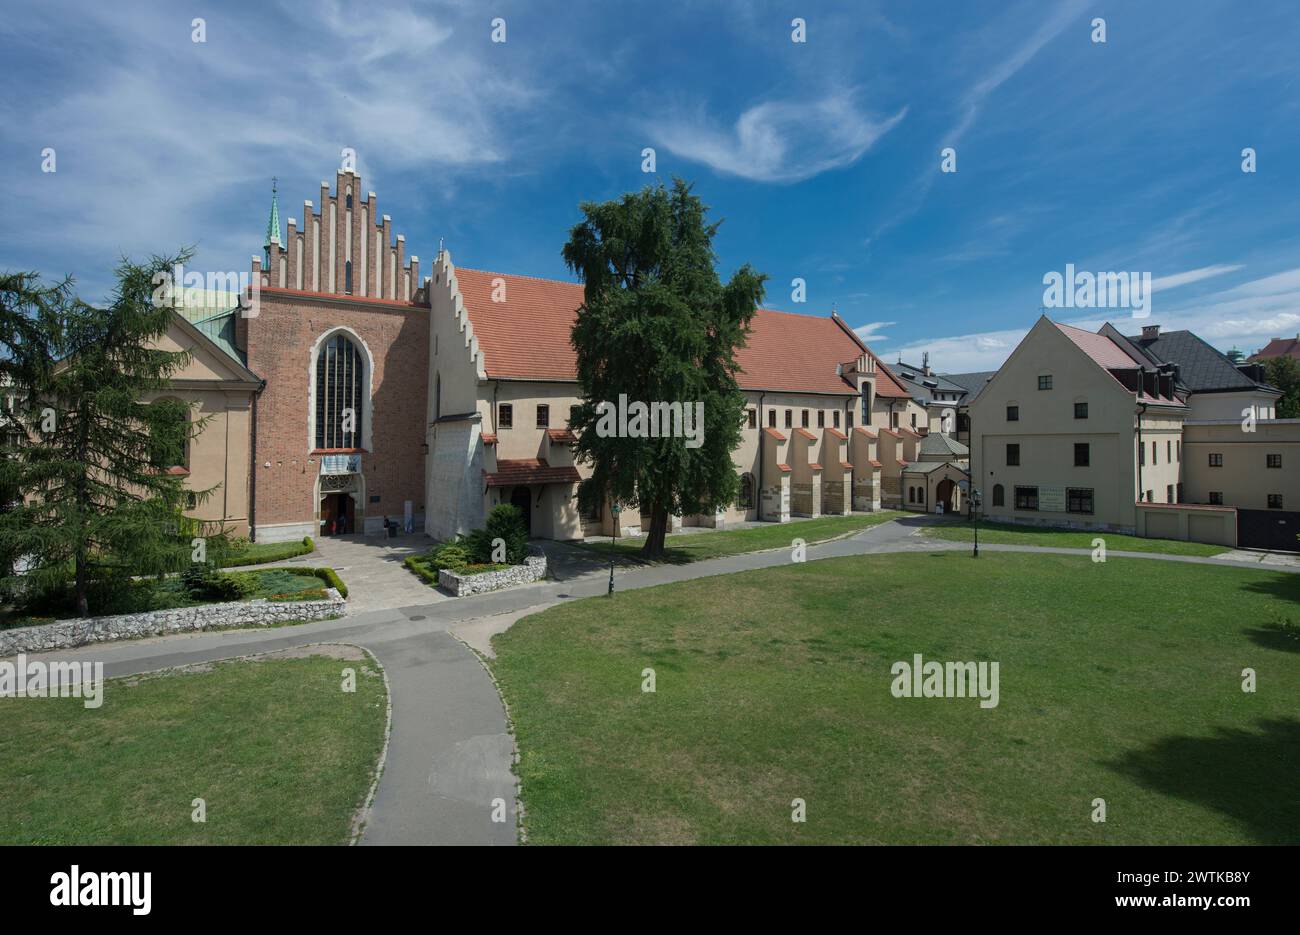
871	331
777	141
1194	275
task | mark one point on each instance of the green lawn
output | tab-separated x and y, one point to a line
279	752
1118	680
1009	534
698	546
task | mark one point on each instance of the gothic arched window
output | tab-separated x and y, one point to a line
339	389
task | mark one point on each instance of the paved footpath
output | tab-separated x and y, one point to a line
450	753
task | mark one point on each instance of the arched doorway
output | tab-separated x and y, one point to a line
945	494
522	497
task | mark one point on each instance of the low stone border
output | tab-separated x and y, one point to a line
65	634
533	569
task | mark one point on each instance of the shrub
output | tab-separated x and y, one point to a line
504	522
328	575
451	555
204	583
246	553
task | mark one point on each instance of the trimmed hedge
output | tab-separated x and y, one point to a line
328	575
255	553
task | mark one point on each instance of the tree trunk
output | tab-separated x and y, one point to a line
654	540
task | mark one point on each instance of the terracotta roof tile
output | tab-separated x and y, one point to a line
1279	347
874	463
847	465
814	465
774	433
785	468
526	336
489	438
1104	352
865	431
562	436
804	433
838	434
530	471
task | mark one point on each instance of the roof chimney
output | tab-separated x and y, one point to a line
1150	332
925	363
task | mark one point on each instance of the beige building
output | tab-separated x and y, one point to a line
1097	430
827	427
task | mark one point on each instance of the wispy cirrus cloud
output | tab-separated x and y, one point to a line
1193	275
777	141
872	331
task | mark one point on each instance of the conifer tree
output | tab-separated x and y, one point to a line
657	325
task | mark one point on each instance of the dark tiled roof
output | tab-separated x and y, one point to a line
1201	368
936	443
530	471
916	375
972	383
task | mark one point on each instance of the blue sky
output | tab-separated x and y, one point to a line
823	157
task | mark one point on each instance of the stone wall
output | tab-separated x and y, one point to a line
65	634
533	569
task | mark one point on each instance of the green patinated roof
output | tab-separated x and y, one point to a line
273	223
214	315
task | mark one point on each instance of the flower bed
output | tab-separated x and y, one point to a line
466	582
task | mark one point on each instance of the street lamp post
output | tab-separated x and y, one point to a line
612	540
975	515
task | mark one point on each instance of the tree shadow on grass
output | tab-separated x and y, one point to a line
1248	775
1275	636
1284	586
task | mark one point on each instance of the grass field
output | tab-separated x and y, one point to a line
278	751
1119	680
698	546
258	553
1009	534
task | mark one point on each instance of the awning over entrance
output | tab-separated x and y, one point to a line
530	471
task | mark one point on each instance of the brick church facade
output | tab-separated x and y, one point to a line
391	400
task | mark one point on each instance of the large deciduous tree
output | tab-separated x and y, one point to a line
658	326
1284	373
92	451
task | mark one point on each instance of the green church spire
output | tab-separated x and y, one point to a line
272	226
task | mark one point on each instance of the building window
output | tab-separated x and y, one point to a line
1155	454
1151	496
821	418
505	416
753	418
835	418
1216	498
963	422
1026	498
1169	493
920	494
1178	492
1045	381
1275	501
1273	461
1078	500
543	415
914	420
999	495
1013	455
1081	454
347	275
1142	453
1013	413
771	418
1169	452
893	421
848	418
789	418
339	372
803	418
1081	410
911	494
1216	459
191	500
746	498
1178	451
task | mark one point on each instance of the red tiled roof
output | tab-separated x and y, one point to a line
1278	347
562	436
784	468
526	336
866	432
814	465
887	384
530	471
774	433
1104	352
892	432
838	434
489	438
804	433
848	465
874	463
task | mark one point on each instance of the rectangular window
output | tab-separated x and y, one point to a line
1081	454
1216	497
1045	381
914	420
1216	459
1178	492
1273	461
803	418
573	415
1013	413
789	418
1013	455
1142	453
1026	498
1169	452
543	416
753	418
1169	493
1155	454
835	418
505	416
1178	451
1275	501
821	418
1081	410
848	419
771	418
1078	499
893	420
